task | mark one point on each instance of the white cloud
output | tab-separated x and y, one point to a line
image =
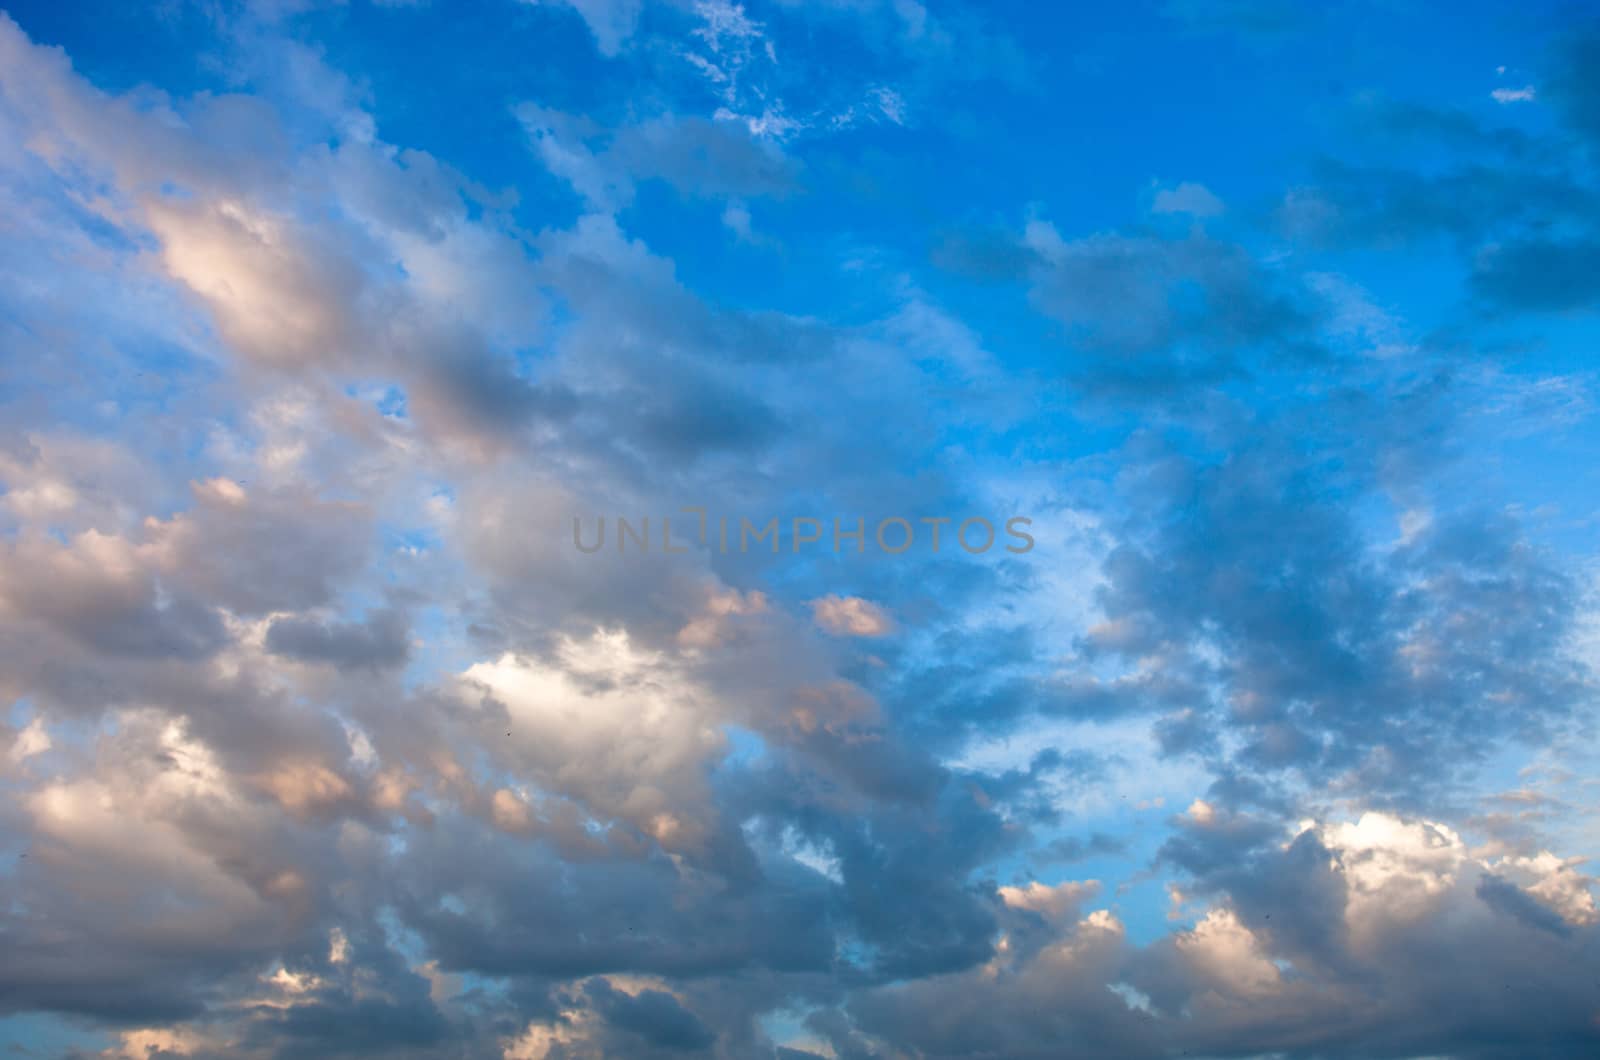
32	740
1525	94
1057	902
1229	954
619	728
850	616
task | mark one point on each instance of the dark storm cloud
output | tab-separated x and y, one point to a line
653	1015
1294	890
341	1025
141	947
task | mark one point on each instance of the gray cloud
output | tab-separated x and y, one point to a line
341	750
381	641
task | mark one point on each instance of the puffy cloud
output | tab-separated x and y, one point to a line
379	642
850	616
718	621
1323	651
158	862
326	741
610	725
100	593
276	294
300	546
1051	902
1266	969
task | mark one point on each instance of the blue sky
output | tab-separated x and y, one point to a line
322	324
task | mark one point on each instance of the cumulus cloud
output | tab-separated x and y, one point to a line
850	616
324	738
378	642
564	722
1265	958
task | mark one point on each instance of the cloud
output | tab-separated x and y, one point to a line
300	546
142	832
1539	274
654	1015
1513	95
562	724
1188	309
1264	966
297	292
850	616
611	21
379	642
1341	671
1516	206
277	295
1572	84
1196	200
98	592
325	740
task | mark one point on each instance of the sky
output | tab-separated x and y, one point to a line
340	717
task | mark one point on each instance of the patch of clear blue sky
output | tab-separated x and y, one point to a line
1112	97
41	1034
